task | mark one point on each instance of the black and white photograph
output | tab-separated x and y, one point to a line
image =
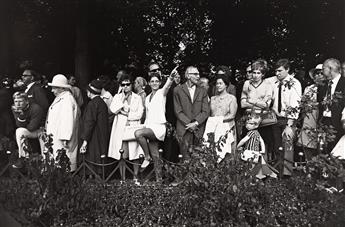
172	113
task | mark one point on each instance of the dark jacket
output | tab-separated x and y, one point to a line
31	118
38	95
337	106
187	111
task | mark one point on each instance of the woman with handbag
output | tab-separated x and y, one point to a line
128	109
256	98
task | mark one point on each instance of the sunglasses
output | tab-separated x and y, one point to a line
126	84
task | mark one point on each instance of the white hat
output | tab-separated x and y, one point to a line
318	67
59	80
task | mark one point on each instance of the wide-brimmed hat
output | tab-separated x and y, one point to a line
59	80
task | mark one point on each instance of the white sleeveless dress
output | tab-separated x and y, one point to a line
155	114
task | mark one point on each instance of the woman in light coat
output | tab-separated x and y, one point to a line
63	120
128	109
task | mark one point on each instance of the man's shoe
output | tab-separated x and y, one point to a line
136	182
18	164
145	164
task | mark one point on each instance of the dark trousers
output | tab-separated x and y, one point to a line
287	154
186	143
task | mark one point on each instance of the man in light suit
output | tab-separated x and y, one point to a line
192	110
331	99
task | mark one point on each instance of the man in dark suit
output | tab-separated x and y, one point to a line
34	90
331	99
192	110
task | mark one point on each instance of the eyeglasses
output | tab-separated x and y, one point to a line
26	75
154	70
195	74
126	84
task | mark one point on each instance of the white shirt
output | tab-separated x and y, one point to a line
334	84
29	86
192	91
290	96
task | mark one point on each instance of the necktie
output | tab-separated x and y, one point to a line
279	97
329	90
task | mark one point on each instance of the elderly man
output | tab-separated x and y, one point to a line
287	93
63	119
29	119
331	99
192	110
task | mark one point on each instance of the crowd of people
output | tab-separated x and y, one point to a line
130	116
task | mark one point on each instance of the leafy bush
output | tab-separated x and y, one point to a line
211	194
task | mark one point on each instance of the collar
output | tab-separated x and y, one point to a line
190	87
336	79
29	86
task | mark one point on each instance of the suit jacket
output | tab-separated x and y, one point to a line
37	94
187	111
336	107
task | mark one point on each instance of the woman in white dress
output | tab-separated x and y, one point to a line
155	128
128	109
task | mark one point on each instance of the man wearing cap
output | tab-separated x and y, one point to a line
331	99
63	119
35	91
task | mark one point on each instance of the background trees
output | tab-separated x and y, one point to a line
89	37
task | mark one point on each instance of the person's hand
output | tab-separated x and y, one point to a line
65	143
192	126
173	73
288	133
83	147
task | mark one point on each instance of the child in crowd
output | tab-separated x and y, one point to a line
253	143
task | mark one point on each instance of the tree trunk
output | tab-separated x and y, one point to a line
82	66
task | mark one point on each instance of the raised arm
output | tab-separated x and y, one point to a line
169	81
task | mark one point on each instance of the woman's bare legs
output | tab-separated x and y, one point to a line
142	135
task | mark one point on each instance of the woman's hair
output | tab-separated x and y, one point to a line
260	64
125	78
224	78
155	75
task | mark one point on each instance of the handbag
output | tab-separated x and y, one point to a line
268	118
128	134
